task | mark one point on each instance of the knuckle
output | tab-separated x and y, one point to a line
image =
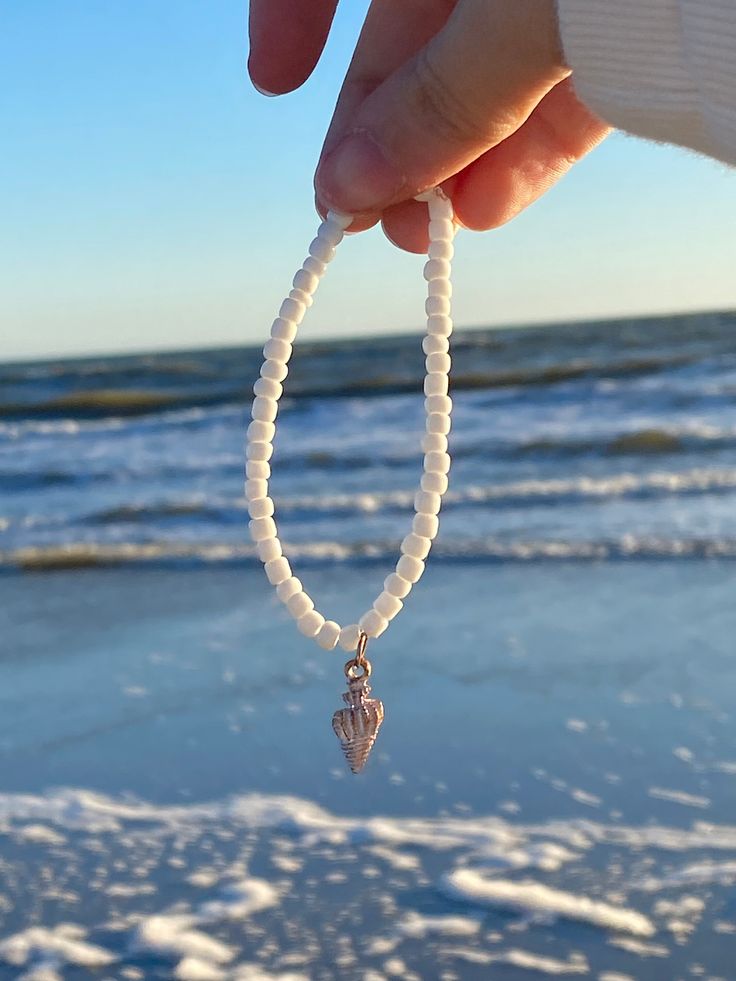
442	108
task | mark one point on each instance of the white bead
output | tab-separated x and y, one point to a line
283	330
437	305
439	323
396	585
435	462
435	483
278	570
259	451
288	588
438	362
436	269
331	233
291	309
301	297
426	525
306	281
268	388
255	488
435	344
327	637
262	508
261	528
434	443
298	604
277	350
348	639
310	624
441	249
441	229
416	545
340	219
269	549
388	605
257	470
314	265
439	422
410	568
435	383
264	431
264	409
440	287
321	250
438	403
276	370
427	502
372	623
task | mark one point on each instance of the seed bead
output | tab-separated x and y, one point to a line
439	324
288	588
306	281
441	230
277	570
261	508
435	483
268	388
261	528
437	305
310	624
439	361
435	344
440	287
258	451
277	350
438	403
283	330
306	299
258	469
396	585
372	623
436	462
436	383
426	525
416	545
256	488
387	605
276	370
330	233
410	568
427	502
314	265
264	431
292	309
436	269
434	443
298	604
269	549
348	639
264	409
322	250
439	422
328	635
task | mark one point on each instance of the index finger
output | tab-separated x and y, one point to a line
286	41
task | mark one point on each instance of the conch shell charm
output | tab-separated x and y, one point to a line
357	725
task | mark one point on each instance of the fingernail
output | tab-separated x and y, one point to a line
270	95
356	176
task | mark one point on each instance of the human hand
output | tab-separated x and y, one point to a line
470	94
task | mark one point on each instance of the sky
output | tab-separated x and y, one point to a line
151	199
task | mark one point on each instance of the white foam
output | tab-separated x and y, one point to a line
679	797
61	945
528	961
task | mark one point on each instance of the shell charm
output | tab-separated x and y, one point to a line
357	725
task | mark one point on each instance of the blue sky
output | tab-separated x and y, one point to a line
151	199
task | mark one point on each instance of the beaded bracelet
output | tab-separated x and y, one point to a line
357	725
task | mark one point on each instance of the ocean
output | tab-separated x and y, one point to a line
553	791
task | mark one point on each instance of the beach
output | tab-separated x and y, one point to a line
553	790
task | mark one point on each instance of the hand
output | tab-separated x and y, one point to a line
470	94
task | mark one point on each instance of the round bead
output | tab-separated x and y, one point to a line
314	265
264	409
436	269
292	309
441	229
298	604
283	330
434	443
426	525
435	483
427	502
437	305
310	624
441	249
416	545
387	605
348	639
258	451
268	388
410	568
435	383
277	350
440	287
340	219
435	344
436	462
261	528
301	297
438	403
439	323
396	585
440	361
328	634
288	588
439	422
264	431
269	549
257	469
255	488
276	370
306	281
278	570
331	233
321	250
372	623
261	508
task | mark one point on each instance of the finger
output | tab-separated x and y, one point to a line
286	40
508	178
472	86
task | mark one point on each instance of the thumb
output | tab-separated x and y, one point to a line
473	85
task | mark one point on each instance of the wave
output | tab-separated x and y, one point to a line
81	555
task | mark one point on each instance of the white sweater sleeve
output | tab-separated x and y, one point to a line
662	69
